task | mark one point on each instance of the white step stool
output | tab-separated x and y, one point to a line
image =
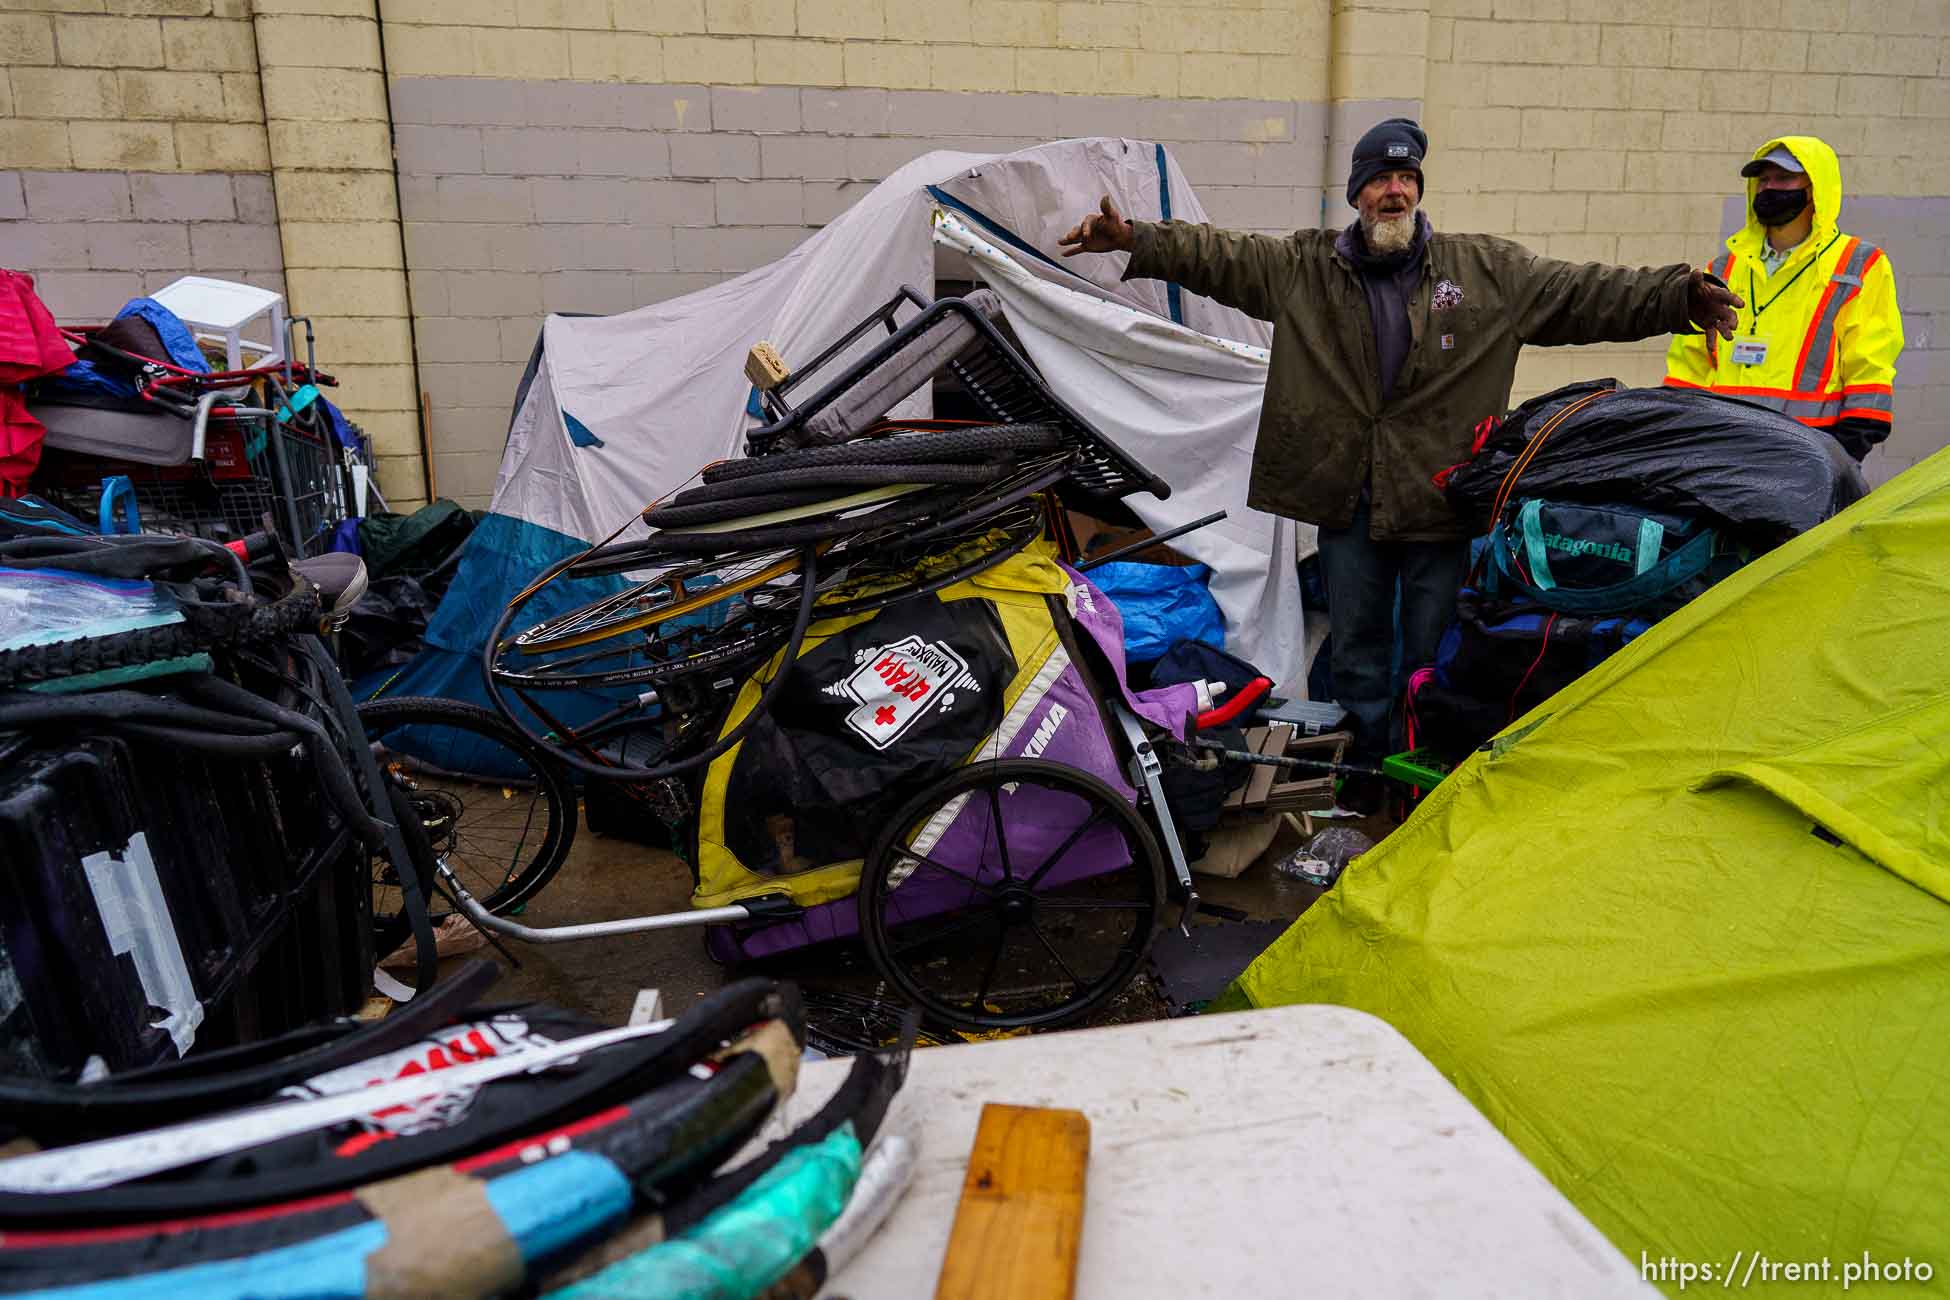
220	309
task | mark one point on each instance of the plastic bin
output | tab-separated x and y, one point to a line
155	902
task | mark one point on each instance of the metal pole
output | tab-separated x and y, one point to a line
594	930
1267	760
1146	543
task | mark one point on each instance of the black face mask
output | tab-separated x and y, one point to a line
1778	207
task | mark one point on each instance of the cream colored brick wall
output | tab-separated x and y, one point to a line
330	140
129	87
1220	49
1613	130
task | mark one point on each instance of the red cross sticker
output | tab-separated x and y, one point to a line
884	717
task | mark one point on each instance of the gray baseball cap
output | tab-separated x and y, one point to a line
1779	156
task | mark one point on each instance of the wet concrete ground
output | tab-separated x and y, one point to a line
606	878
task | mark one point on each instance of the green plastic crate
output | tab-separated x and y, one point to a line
1417	767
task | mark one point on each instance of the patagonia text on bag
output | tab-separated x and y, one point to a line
1599	559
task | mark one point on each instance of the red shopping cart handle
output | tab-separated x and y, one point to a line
1249	695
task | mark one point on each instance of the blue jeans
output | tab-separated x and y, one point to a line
1364	578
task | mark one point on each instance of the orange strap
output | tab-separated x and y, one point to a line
1536	444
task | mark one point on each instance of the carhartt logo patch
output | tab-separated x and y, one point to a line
1448	341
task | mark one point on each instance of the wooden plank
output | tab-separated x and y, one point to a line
1262	779
1255	744
1309	792
1020	1220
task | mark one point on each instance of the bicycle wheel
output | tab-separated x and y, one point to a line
490	803
1012	894
880	580
571	745
678	597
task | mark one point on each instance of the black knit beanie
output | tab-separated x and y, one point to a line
1395	145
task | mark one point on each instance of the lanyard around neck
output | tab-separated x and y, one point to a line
1753	326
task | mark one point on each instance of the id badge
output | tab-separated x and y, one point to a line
1749	352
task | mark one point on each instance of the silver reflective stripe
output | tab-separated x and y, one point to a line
1822	336
1869	401
1798	407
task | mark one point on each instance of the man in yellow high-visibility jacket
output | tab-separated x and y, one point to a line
1820	333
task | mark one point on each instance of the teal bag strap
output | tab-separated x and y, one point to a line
1529	520
1684	564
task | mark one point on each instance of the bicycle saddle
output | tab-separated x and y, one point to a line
339	576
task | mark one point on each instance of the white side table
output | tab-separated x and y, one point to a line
221	309
1303	1151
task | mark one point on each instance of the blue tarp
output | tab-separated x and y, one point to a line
1162	604
87	378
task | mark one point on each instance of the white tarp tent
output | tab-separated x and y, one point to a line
619	411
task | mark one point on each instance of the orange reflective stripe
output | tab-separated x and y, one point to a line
1866	413
1821	310
1684	383
1843	286
1867	254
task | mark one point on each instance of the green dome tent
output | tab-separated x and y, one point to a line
1683	932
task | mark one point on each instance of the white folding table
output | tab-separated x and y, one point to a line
1302	1151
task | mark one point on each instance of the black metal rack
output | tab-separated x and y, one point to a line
1000	380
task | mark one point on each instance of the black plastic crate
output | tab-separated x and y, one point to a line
143	888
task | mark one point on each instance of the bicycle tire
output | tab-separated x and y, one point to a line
705	540
805	532
931	447
1008	546
716	656
873	898
554	794
55	660
759	492
495	643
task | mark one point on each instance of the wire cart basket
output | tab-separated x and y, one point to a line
211	456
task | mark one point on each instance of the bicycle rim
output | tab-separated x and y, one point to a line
488	808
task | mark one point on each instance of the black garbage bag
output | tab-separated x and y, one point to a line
414	544
1764	476
388	625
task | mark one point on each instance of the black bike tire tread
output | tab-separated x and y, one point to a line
981	442
56	660
768	491
801	532
555	779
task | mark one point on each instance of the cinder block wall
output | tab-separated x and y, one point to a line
132	150
1614	130
448	171
579	155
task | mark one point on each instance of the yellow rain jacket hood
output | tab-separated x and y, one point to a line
1818	339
